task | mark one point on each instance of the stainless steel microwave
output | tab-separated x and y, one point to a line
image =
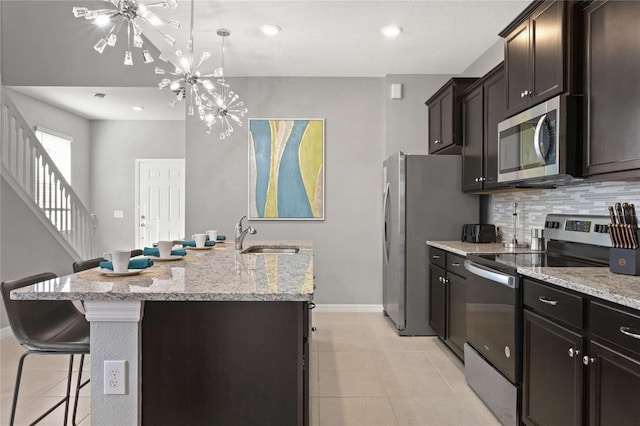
541	144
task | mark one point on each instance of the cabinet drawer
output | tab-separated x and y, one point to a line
437	256
455	264
616	326
553	302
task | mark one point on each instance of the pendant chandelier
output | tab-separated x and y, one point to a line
226	108
129	13
187	81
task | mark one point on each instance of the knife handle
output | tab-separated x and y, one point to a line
619	213
612	215
634	218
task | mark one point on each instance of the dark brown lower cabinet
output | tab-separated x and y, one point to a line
457	315
552	386
448	299
577	372
437	300
225	363
615	387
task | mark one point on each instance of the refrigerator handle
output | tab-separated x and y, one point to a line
385	203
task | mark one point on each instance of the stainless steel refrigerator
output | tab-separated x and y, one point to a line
423	200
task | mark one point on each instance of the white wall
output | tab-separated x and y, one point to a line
347	243
38	113
115	147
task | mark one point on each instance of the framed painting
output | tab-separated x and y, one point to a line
286	169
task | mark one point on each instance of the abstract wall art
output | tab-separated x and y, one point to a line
286	169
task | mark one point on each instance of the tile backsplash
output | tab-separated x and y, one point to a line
534	205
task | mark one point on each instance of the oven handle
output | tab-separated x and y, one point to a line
490	274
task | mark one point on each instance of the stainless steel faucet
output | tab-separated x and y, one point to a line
241	233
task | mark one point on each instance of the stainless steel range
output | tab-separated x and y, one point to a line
493	351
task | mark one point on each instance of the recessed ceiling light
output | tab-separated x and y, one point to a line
99	95
137	108
270	29
391	31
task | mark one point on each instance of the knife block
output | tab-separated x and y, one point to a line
624	261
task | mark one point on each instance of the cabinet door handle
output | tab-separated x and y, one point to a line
522	94
547	301
455	264
573	352
437	141
586	360
627	332
436	256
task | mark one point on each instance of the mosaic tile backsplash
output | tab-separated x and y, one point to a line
534	205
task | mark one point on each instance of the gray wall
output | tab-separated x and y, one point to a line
406	119
485	62
26	245
51	56
38	113
115	147
347	258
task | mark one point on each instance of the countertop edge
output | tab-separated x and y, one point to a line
464	249
583	289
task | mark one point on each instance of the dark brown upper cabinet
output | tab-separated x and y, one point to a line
482	109
539	55
445	119
612	88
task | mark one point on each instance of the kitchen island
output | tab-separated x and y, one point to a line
219	337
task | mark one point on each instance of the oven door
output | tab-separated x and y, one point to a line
528	143
492	321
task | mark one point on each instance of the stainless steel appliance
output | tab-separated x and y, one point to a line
422	201
541	144
494	342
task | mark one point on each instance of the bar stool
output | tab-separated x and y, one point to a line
46	327
83	265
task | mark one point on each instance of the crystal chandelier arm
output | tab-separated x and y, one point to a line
91	15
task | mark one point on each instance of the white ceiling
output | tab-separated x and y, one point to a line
318	38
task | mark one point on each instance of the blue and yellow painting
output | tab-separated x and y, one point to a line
286	169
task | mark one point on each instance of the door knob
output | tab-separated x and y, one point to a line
143	217
142	225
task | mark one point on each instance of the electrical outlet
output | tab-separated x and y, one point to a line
115	377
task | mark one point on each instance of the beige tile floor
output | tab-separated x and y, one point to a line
362	374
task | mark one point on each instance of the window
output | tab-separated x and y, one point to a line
58	146
50	194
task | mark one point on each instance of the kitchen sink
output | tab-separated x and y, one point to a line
271	249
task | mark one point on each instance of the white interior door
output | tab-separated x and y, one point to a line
160	196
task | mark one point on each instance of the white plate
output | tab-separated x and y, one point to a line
166	259
110	273
199	248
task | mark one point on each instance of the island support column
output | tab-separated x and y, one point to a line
115	335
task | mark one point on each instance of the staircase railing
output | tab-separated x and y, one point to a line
28	168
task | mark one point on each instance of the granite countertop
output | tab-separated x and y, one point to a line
464	249
597	281
220	274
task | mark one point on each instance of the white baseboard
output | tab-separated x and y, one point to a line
5	332
347	308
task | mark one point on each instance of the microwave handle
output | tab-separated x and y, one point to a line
536	140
